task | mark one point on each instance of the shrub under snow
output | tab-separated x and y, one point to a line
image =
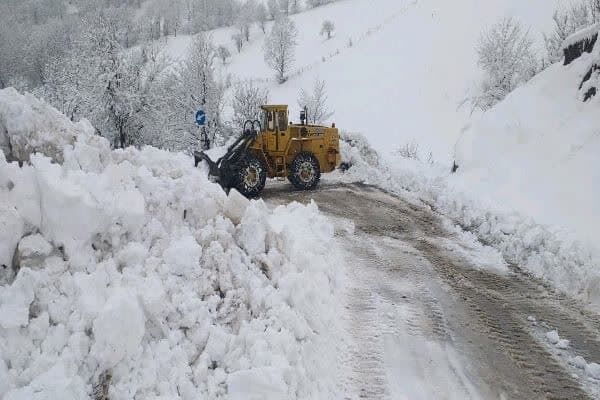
130	272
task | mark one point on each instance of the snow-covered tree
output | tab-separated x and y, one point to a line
117	85
245	18
197	89
294	6
238	41
274	9
284	6
280	47
170	14
315	103
223	53
566	22
327	28
247	100
64	88
506	56
595	11
317	3
262	16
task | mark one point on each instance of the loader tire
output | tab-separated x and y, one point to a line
305	172
251	177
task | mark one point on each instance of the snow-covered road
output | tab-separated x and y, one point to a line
434	314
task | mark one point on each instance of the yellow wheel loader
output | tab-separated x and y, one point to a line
275	148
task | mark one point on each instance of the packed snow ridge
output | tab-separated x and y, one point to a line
128	271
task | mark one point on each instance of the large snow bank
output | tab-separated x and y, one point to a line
129	272
545	251
28	125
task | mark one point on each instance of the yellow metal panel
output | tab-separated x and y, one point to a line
321	141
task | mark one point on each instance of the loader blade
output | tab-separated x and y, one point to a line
213	168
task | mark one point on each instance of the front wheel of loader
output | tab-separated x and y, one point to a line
305	171
251	177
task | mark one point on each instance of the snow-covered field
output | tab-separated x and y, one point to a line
128	269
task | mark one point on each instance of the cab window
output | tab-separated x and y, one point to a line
270	121
282	120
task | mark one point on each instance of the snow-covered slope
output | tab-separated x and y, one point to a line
404	81
537	152
130	267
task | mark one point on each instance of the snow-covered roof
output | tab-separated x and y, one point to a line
583	34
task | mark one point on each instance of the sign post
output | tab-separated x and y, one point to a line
201	122
201	118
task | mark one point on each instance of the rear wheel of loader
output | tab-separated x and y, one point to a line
251	177
305	171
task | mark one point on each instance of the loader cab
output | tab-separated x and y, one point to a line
275	126
275	118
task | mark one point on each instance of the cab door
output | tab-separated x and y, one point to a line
271	131
282	130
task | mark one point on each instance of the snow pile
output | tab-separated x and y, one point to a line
555	340
129	273
28	125
592	369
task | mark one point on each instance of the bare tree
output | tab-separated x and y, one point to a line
280	47
327	28
315	103
506	55
247	100
409	150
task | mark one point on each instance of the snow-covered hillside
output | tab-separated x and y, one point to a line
537	151
410	65
129	269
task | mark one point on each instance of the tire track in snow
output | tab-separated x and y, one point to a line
488	312
365	326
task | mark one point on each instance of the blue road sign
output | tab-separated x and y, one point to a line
201	118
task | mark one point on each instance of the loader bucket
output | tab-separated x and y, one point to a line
213	167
